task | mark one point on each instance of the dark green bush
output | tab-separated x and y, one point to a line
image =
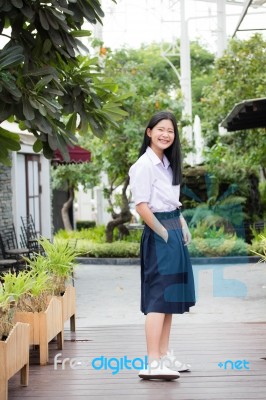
85	225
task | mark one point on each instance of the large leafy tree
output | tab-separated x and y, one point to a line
236	157
44	84
238	75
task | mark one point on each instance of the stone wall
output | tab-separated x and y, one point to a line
6	217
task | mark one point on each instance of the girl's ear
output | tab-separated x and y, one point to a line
149	132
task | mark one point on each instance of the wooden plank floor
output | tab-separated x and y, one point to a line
202	345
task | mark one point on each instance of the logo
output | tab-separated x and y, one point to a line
114	364
236	365
102	363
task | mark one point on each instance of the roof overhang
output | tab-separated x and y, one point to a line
77	155
246	19
248	114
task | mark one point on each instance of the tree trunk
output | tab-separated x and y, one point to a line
121	218
65	209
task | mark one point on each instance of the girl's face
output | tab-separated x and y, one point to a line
162	136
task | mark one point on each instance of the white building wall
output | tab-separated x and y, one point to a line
19	191
91	205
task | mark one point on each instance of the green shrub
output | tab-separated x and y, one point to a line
258	243
258	246
207	242
134	236
97	235
217	247
116	249
85	225
205	231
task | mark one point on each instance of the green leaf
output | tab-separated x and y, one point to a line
5	110
17	3
4	156
47	45
42	71
43	124
28	12
81	33
50	104
96	6
52	20
9	144
52	140
28	110
34	103
71	125
11	56
12	89
47	151
95	127
11	61
62	146
43	82
37	146
43	20
9	140
22	126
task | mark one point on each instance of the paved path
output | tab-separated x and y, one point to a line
110	294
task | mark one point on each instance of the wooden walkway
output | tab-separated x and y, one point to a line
202	345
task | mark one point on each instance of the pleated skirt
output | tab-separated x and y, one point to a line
167	283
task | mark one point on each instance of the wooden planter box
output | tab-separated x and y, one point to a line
14	357
69	306
44	326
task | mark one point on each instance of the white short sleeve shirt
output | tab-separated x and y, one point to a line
151	182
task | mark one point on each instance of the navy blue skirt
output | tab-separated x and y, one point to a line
167	283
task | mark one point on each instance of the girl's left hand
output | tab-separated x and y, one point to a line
185	231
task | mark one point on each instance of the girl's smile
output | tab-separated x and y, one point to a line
162	136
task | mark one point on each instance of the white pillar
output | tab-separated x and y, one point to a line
185	79
46	206
185	66
221	27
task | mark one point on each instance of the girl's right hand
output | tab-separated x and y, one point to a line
164	234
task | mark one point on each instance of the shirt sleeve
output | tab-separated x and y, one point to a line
140	183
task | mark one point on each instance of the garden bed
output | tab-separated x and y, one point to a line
68	301
14	357
44	326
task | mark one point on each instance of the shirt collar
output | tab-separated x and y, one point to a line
155	159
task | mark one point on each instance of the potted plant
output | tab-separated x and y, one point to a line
36	307
14	344
58	262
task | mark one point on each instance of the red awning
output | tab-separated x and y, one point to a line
77	155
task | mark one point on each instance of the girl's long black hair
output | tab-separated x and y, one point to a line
173	153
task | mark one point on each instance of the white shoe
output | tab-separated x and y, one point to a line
172	363
156	370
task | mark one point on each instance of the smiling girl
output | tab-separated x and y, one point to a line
167	284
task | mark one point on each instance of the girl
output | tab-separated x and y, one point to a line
167	284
